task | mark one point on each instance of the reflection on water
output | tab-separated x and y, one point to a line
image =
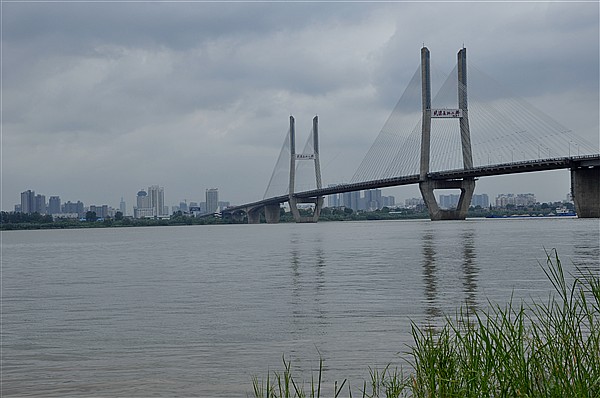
463	246
470	269
307	265
587	257
432	309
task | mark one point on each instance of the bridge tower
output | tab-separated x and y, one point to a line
427	185
318	200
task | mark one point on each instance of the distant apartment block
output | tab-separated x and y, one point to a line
333	200
413	203
212	200
371	200
183	206
480	200
521	199
448	201
451	201
388	201
54	205
40	204
32	203
73	208
102	211
28	202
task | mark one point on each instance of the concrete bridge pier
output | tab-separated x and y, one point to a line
237	216
467	187
318	202
272	213
253	215
585	189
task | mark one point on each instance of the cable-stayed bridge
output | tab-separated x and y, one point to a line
442	142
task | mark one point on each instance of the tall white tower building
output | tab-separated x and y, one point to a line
123	207
212	200
157	199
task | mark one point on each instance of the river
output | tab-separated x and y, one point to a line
200	310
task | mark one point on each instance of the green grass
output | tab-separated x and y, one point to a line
544	349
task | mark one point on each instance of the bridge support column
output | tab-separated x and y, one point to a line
253	215
293	201
585	189
467	187
426	184
272	213
237	217
318	202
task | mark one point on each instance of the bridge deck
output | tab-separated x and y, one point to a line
475	172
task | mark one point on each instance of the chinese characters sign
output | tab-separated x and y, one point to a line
446	113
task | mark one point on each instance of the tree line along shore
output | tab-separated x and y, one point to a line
24	221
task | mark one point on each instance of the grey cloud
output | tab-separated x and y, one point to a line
189	94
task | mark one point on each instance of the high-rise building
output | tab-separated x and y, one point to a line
521	199
449	201
480	200
333	200
388	201
183	207
373	199
54	205
143	208
40	204
351	200
414	203
28	202
73	208
212	200
157	199
123	207
142	200
101	211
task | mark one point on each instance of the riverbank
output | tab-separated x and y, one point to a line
14	221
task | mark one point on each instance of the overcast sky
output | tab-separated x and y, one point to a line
100	100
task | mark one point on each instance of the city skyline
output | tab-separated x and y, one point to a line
204	95
364	200
147	201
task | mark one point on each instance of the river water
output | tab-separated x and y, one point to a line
200	310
